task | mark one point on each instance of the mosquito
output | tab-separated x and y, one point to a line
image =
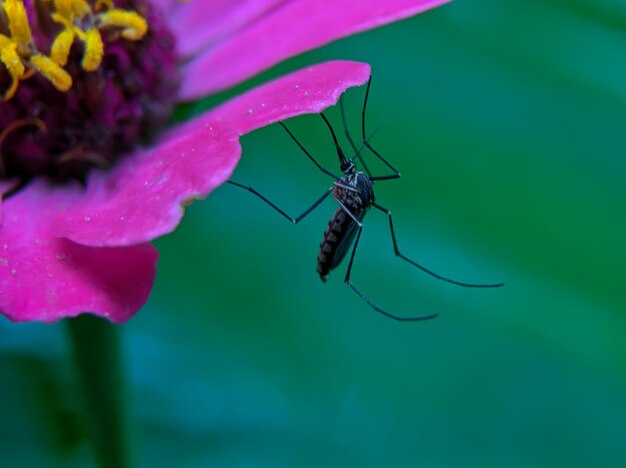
354	192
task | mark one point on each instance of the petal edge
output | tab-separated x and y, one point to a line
293	28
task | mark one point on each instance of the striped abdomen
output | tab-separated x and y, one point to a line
336	242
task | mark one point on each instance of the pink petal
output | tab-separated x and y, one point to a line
63	250
201	23
5	187
45	277
294	27
307	91
144	197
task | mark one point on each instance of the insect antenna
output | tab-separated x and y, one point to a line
360	150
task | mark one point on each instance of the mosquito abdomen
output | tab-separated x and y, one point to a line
336	242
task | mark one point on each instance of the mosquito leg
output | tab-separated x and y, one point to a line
426	270
348	281
285	215
396	174
346	187
324	170
345	125
357	152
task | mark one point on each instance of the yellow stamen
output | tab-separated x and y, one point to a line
94	50
133	25
108	4
11	60
52	71
18	24
94	47
62	19
60	50
72	9
21	57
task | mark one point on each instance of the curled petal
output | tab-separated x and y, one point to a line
45	277
143	198
290	29
307	91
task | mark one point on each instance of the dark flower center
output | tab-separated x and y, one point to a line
84	82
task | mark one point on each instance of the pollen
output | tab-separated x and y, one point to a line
104	3
19	27
60	50
91	23
133	26
11	60
52	71
94	50
72	8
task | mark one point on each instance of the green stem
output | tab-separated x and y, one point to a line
96	348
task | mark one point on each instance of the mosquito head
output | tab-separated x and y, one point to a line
348	167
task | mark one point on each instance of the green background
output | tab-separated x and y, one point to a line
506	120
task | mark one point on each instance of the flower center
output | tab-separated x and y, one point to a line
83	82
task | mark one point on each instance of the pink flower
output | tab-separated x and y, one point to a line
74	238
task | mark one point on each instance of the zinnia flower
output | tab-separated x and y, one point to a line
88	174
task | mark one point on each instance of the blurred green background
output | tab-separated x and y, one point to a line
506	120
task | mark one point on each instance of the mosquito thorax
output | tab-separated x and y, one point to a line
82	83
355	191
